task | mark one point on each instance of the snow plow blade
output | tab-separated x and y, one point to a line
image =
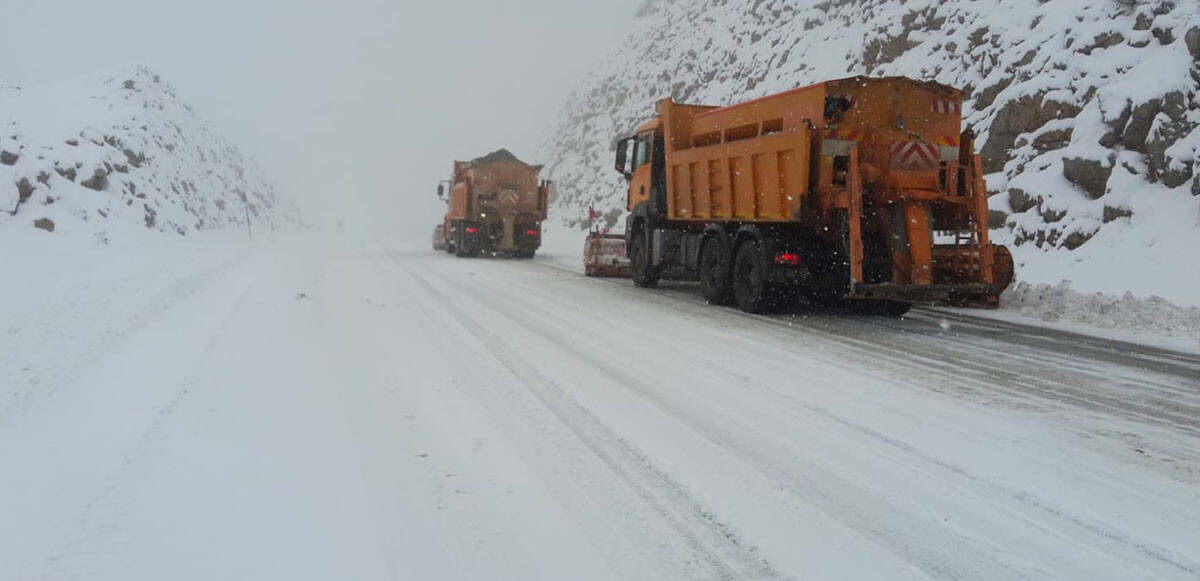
604	256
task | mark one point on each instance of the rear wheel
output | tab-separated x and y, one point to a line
644	274
881	308
464	247
715	272
749	279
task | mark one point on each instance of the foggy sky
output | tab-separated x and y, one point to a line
354	107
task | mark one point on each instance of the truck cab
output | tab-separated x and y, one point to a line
640	150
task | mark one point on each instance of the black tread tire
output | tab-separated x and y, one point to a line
886	308
644	275
873	307
750	289
464	249
716	272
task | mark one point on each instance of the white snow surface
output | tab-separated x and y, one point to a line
100	153
1149	320
322	407
1111	85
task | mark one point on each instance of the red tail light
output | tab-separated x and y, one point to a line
531	232
787	258
472	230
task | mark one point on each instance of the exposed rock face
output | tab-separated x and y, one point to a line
1019	116
1112	214
1061	93
98	180
1021	201
113	139
1091	175
1192	38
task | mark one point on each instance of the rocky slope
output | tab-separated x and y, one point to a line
120	150
1086	110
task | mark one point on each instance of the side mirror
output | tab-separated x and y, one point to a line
622	164
441	191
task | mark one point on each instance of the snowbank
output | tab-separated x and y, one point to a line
119	150
1152	320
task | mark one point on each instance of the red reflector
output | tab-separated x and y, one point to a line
472	230
787	258
531	232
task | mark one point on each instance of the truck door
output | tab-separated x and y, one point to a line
640	184
658	176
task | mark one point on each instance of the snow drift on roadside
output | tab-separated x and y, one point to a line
120	150
1140	319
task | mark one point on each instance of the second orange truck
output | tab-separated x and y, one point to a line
495	205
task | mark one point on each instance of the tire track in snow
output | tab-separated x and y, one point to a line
1152	403
74	357
722	551
868	513
98	515
1015	503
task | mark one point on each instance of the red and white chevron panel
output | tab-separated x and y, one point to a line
947	106
915	154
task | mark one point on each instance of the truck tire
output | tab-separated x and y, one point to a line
644	274
750	287
463	248
883	308
715	272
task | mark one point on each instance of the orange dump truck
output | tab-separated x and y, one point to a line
862	190
495	205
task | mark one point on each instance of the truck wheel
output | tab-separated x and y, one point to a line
715	272
644	275
881	308
750	288
463	248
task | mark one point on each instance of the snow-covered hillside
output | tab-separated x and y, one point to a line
99	154
1087	112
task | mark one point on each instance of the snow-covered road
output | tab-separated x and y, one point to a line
317	409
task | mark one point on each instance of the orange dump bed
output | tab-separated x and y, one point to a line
481	189
753	161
